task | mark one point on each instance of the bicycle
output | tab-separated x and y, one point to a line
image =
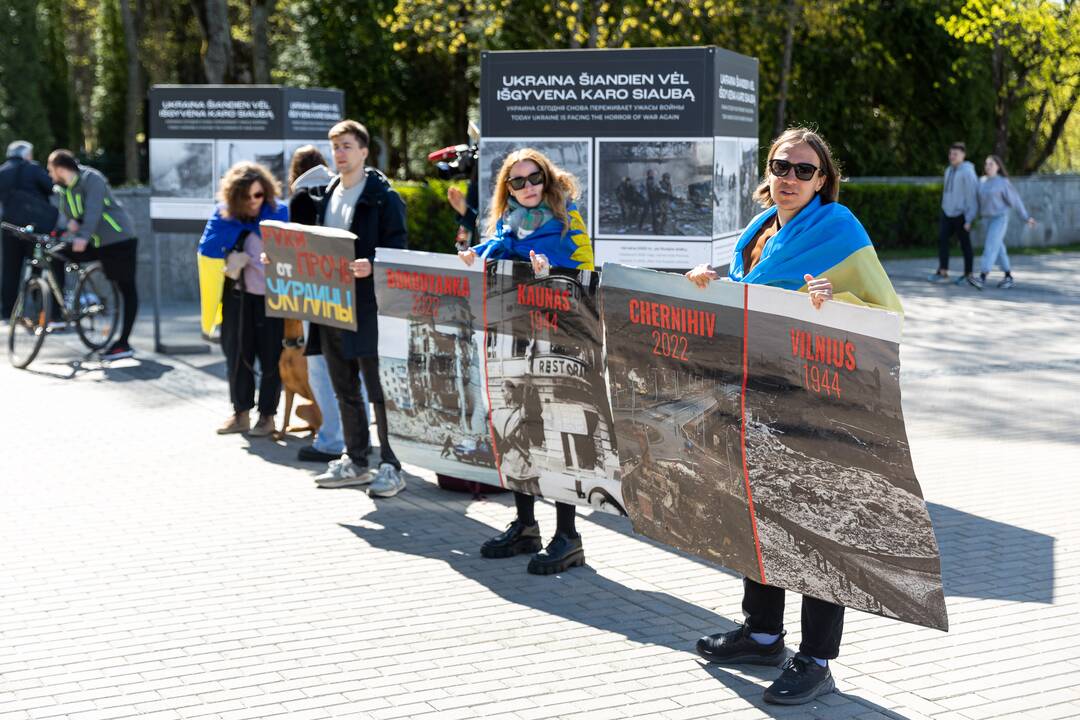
93	307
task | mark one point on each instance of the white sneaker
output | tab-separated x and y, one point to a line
343	472
387	483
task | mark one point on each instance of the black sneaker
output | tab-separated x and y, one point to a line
118	351
517	539
738	648
562	553
802	681
308	453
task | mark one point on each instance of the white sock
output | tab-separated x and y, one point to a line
822	663
764	638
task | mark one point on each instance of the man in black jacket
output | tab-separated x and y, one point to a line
361	201
25	189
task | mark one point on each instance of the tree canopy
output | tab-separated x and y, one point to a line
890	84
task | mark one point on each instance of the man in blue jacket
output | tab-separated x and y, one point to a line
25	189
361	201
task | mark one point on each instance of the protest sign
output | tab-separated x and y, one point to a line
308	277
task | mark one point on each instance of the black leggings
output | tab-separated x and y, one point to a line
246	333
565	513
118	261
947	227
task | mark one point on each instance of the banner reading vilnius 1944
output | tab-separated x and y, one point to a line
663	142
308	277
431	362
766	435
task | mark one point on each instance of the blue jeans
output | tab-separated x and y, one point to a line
329	438
994	251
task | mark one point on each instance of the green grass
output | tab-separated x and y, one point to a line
912	253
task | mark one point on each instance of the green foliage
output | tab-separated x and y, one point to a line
110	89
22	75
61	104
896	215
432	223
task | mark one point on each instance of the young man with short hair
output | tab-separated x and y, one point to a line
959	206
361	201
102	231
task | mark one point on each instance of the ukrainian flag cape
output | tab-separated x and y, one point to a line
824	241
218	238
569	249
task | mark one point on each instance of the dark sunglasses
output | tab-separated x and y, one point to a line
803	171
257	196
536	178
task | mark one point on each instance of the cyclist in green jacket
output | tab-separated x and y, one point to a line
102	230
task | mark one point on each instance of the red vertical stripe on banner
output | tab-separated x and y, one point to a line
742	412
487	385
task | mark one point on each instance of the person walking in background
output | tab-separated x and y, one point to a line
804	240
996	197
533	218
959	205
25	189
249	194
361	200
329	443
102	230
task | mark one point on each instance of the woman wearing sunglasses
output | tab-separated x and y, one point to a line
231	244
532	217
804	240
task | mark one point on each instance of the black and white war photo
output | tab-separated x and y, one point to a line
655	188
549	410
432	372
182	168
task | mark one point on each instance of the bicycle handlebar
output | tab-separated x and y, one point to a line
51	243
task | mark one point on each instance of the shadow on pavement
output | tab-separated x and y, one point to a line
987	559
581	595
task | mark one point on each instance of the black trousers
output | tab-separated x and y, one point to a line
947	227
15	251
345	377
118	261
822	622
246	334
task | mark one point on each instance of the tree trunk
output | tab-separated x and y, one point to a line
785	69
133	98
1001	103
260	50
1056	131
217	34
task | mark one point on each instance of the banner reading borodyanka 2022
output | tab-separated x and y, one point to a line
737	423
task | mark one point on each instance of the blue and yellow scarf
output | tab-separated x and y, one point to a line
824	240
521	230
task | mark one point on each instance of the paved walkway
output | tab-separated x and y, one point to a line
150	568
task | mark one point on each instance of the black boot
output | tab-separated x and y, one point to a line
517	539
562	553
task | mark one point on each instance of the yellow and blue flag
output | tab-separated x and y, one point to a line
823	240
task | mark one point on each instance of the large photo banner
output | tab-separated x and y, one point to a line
736	423
550	417
431	362
308	277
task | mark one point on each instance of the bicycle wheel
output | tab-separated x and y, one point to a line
96	307
26	328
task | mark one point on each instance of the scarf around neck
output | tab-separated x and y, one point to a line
523	221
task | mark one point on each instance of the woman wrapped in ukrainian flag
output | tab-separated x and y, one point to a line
532	217
807	241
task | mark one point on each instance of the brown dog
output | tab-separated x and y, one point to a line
294	380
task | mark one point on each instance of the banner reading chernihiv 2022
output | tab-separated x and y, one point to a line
750	429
